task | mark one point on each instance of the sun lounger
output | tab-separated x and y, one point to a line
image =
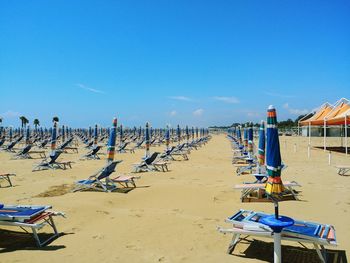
248	223
92	154
255	192
33	217
151	164
343	169
101	180
6	178
52	163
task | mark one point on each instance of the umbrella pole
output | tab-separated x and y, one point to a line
276	209
277	255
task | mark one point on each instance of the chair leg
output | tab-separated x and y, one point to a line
234	241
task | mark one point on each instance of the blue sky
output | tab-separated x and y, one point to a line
187	62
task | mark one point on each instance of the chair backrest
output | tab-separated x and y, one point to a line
151	159
108	170
55	156
95	150
26	149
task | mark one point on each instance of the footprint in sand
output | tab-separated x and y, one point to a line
98	237
103	212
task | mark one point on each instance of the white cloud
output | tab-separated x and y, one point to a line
182	98
295	111
198	112
82	86
273	94
10	114
173	113
253	114
231	100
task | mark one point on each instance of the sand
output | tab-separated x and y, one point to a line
173	216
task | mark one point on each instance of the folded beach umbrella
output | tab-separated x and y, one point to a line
250	139
178	133
150	132
63	133
261	149
192	133
274	186
27	135
196	132
10	134
111	141
245	136
121	133
167	137
147	142
41	132
53	139
239	135
187	133
140	131
95	135
90	132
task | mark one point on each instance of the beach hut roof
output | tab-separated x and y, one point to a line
339	114
318	117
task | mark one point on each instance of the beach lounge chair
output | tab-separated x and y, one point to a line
92	154
101	180
248	223
43	143
180	151
51	163
6	178
33	217
10	146
23	153
151	164
255	192
343	169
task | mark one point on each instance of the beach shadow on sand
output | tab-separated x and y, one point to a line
11	241
263	251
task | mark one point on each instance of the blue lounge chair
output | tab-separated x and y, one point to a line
51	163
248	223
92	154
151	164
33	217
101	180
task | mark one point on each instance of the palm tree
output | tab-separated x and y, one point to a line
24	121
36	123
55	119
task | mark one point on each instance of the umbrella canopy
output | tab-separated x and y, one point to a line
167	137
95	135
27	135
274	186
111	141
261	150
245	136
90	132
178	133
121	133
53	139
10	134
239	135
250	139
63	133
147	142
187	133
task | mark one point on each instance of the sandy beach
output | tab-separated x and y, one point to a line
173	216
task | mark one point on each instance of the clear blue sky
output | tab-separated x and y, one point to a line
188	62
